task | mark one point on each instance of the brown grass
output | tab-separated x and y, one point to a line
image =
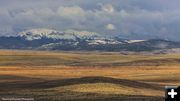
81	76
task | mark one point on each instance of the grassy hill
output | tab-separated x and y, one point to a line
86	76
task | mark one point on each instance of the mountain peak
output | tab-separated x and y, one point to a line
34	34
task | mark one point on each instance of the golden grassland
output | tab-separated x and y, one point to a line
87	76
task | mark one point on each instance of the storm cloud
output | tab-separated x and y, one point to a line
134	19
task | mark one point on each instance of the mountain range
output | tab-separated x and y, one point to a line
71	40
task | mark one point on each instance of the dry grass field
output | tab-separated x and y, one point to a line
86	76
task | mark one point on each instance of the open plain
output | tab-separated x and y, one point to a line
86	76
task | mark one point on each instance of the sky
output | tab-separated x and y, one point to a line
133	19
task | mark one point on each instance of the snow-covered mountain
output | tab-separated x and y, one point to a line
35	34
48	39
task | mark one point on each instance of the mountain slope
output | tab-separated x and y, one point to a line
45	39
35	34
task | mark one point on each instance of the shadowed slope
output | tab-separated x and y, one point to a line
84	80
40	83
67	89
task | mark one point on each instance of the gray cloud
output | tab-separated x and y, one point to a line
135	19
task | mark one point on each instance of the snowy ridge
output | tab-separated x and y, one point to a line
35	34
134	41
103	41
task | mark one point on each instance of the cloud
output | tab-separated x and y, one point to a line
110	27
108	8
70	11
135	19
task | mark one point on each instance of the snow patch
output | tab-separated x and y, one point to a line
134	41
